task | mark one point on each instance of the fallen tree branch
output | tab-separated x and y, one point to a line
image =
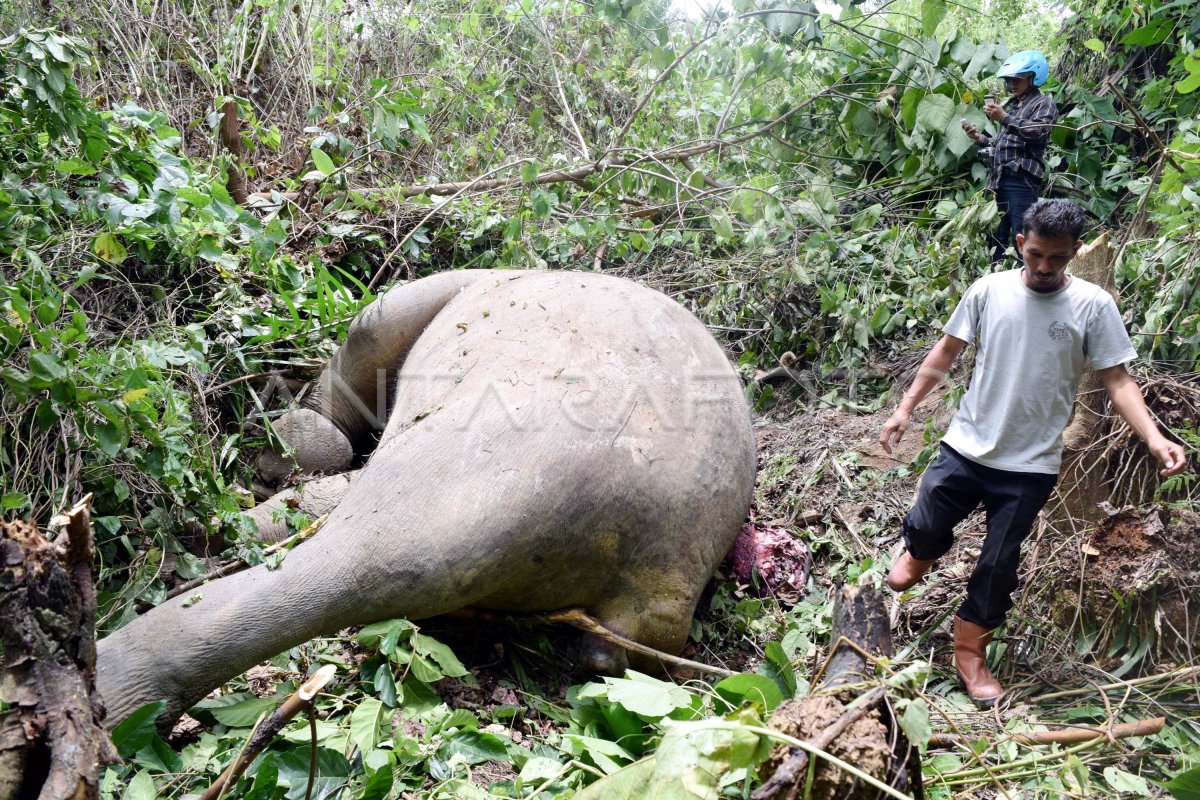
573	175
238	564
1144	727
267	729
578	618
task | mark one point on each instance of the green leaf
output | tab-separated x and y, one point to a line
46	366
210	249
13	500
322	162
932	13
646	696
915	723
1126	782
159	755
721	224
1189	84
981	59
108	247
1095	45
749	688
536	116
245	713
957	141
378	764
365	724
385	686
608	756
1185	785
138	729
443	655
542	201
1155	32
109	438
935	112
423	669
141	787
73	166
633	782
475	747
529	172
266	779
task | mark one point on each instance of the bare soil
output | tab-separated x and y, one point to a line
864	744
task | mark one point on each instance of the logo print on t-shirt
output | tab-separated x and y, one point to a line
1059	332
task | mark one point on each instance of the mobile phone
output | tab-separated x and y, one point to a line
989	99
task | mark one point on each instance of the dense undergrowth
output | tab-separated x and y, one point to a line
800	181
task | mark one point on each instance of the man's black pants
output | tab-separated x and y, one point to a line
1015	194
953	487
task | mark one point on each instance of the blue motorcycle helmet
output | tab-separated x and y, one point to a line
1025	61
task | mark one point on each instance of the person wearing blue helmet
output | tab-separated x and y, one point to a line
1018	150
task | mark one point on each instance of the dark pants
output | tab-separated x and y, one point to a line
951	489
1014	196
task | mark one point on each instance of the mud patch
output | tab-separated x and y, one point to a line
863	744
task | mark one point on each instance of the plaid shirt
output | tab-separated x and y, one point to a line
1023	135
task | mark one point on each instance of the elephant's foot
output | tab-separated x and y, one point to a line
603	656
662	625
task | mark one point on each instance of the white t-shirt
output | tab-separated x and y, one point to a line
1031	349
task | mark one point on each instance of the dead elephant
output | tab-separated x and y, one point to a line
552	440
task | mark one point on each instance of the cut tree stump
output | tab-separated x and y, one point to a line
1082	487
861	731
52	737
860	624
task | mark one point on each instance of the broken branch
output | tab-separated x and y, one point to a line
265	731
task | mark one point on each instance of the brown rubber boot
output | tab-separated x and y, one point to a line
907	571
970	647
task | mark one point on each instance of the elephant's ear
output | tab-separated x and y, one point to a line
313	445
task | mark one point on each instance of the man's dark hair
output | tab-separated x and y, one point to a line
1052	219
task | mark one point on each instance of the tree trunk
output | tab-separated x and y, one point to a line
52	739
1081	488
231	140
860	623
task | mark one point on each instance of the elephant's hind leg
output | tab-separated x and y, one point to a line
657	613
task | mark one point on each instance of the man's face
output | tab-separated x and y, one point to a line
1016	86
1046	259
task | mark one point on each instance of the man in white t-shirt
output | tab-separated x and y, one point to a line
1035	329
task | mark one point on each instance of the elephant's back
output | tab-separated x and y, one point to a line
576	410
569	350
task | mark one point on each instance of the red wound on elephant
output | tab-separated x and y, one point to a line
771	561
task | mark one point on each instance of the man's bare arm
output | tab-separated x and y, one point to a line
1126	397
929	374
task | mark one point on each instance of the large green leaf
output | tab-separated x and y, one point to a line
957	141
935	112
140	788
365	724
475	747
1185	785
689	764
979	61
138	729
749	688
647	696
932	13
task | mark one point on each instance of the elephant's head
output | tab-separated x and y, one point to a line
313	444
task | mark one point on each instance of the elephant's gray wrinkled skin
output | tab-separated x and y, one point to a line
557	439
